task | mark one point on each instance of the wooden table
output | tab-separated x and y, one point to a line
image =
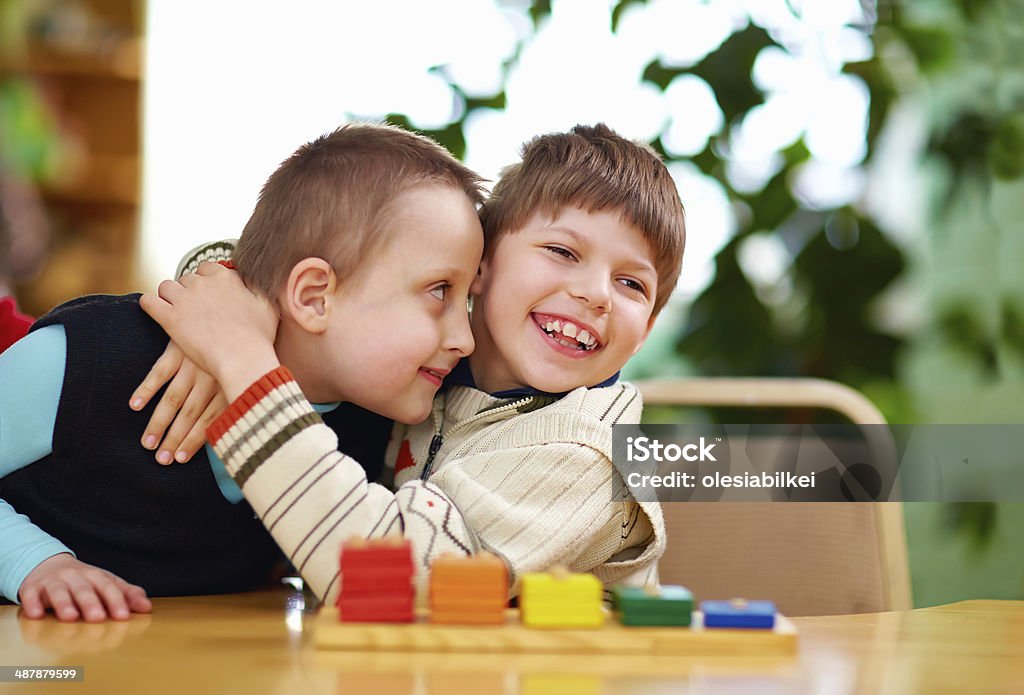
260	643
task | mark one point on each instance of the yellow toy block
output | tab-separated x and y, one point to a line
561	587
561	600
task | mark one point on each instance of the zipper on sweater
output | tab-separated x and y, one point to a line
435	444
438	439
440	415
492	411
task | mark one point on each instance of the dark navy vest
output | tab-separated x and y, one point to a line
166	528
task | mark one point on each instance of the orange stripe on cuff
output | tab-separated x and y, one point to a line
245	402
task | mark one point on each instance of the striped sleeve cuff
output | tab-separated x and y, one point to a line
267	414
214	251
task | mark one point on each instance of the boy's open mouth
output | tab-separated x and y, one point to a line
567	334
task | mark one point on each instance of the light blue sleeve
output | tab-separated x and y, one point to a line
31	379
228	487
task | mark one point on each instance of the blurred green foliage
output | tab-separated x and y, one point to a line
955	350
959	62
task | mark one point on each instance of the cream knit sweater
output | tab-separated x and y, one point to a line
530	480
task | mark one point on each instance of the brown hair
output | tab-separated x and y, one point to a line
328	200
593	168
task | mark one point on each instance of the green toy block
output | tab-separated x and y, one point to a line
653	605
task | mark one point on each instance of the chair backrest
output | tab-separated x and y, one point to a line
810	558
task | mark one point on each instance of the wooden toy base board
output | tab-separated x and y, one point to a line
514	638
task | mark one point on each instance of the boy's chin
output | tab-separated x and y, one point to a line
408	416
562	382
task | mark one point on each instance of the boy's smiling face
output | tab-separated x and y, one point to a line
562	303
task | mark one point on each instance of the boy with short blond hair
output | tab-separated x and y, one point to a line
359	325
585	241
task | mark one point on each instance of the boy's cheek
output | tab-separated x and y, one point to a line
647	333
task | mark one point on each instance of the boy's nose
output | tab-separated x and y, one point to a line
594	289
459	335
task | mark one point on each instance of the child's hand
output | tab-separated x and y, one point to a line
75	590
192	401
223	327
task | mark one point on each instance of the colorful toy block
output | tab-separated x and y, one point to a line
468	590
739	613
376	581
653	605
560	599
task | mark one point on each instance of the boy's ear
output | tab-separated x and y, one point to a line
477	286
309	293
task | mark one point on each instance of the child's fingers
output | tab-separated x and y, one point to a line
83	593
162	371
135	596
187	419
31	602
196	438
170	408
113	598
169	290
211	268
57	596
158	309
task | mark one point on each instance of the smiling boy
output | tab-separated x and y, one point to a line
584	242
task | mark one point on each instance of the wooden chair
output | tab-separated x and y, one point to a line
810	558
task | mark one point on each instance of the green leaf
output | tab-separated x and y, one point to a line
619	8
729	331
539	10
933	47
728	71
882	95
1006	150
450	136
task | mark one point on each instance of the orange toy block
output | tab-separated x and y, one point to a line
468	590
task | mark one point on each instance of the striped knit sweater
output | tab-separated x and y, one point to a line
530	480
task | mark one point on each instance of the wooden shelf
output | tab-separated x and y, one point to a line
91	72
101	179
122	62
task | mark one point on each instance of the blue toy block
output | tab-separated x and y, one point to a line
739	613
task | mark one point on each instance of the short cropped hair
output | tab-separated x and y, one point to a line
330	198
595	169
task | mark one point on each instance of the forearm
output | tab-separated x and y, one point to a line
310	496
539	506
32	372
23	545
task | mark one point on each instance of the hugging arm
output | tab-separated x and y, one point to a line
550	504
311	497
193	399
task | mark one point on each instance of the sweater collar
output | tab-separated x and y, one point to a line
463	376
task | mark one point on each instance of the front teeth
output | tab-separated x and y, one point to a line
581	340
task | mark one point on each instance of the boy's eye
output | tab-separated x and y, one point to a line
634	285
558	250
441	291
